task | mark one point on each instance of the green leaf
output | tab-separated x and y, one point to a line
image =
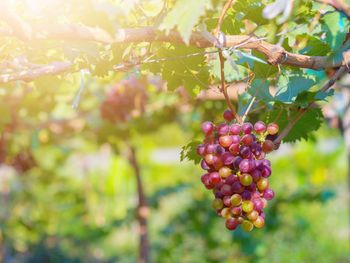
335	26
260	89
307	97
309	122
184	16
290	86
189	152
190	72
315	46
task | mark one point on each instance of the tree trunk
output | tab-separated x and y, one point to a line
142	210
345	128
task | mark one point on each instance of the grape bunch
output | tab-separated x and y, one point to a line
126	99
237	172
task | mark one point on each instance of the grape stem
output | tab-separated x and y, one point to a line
338	74
224	87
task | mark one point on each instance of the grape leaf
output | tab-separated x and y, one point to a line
184	16
308	123
260	89
290	86
189	152
335	25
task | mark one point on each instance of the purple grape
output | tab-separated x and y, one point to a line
265	171
219	149
226	189
204	165
228	115
244	151
201	149
219	194
256	174
227	200
236	139
207	127
231	179
260	127
227	158
258	204
237	160
223	129
266	162
235	129
247	139
251	187
210	148
244	166
237	187
268	194
214	178
234	148
246	195
247	128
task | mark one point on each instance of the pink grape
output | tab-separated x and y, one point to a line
207	127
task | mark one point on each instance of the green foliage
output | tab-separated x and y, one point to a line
184	16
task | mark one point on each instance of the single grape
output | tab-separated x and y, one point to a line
265	171
223	129
231	179
237	160
201	149
268	194
219	194
268	146
262	184
247	226
244	151
236	139
227	158
236	199
226	189
234	148
228	115
264	202
214	178
272	128
247	128
217	204
224	171
253	215
246	195
259	127
205	178
247	206
225	140
247	139
204	165
227	201
219	150
246	165
225	212
251	187
245	179
256	174
237	187
217	162
231	223
210	148
235	129
258	204
259	222
207	127
236	210
209	158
